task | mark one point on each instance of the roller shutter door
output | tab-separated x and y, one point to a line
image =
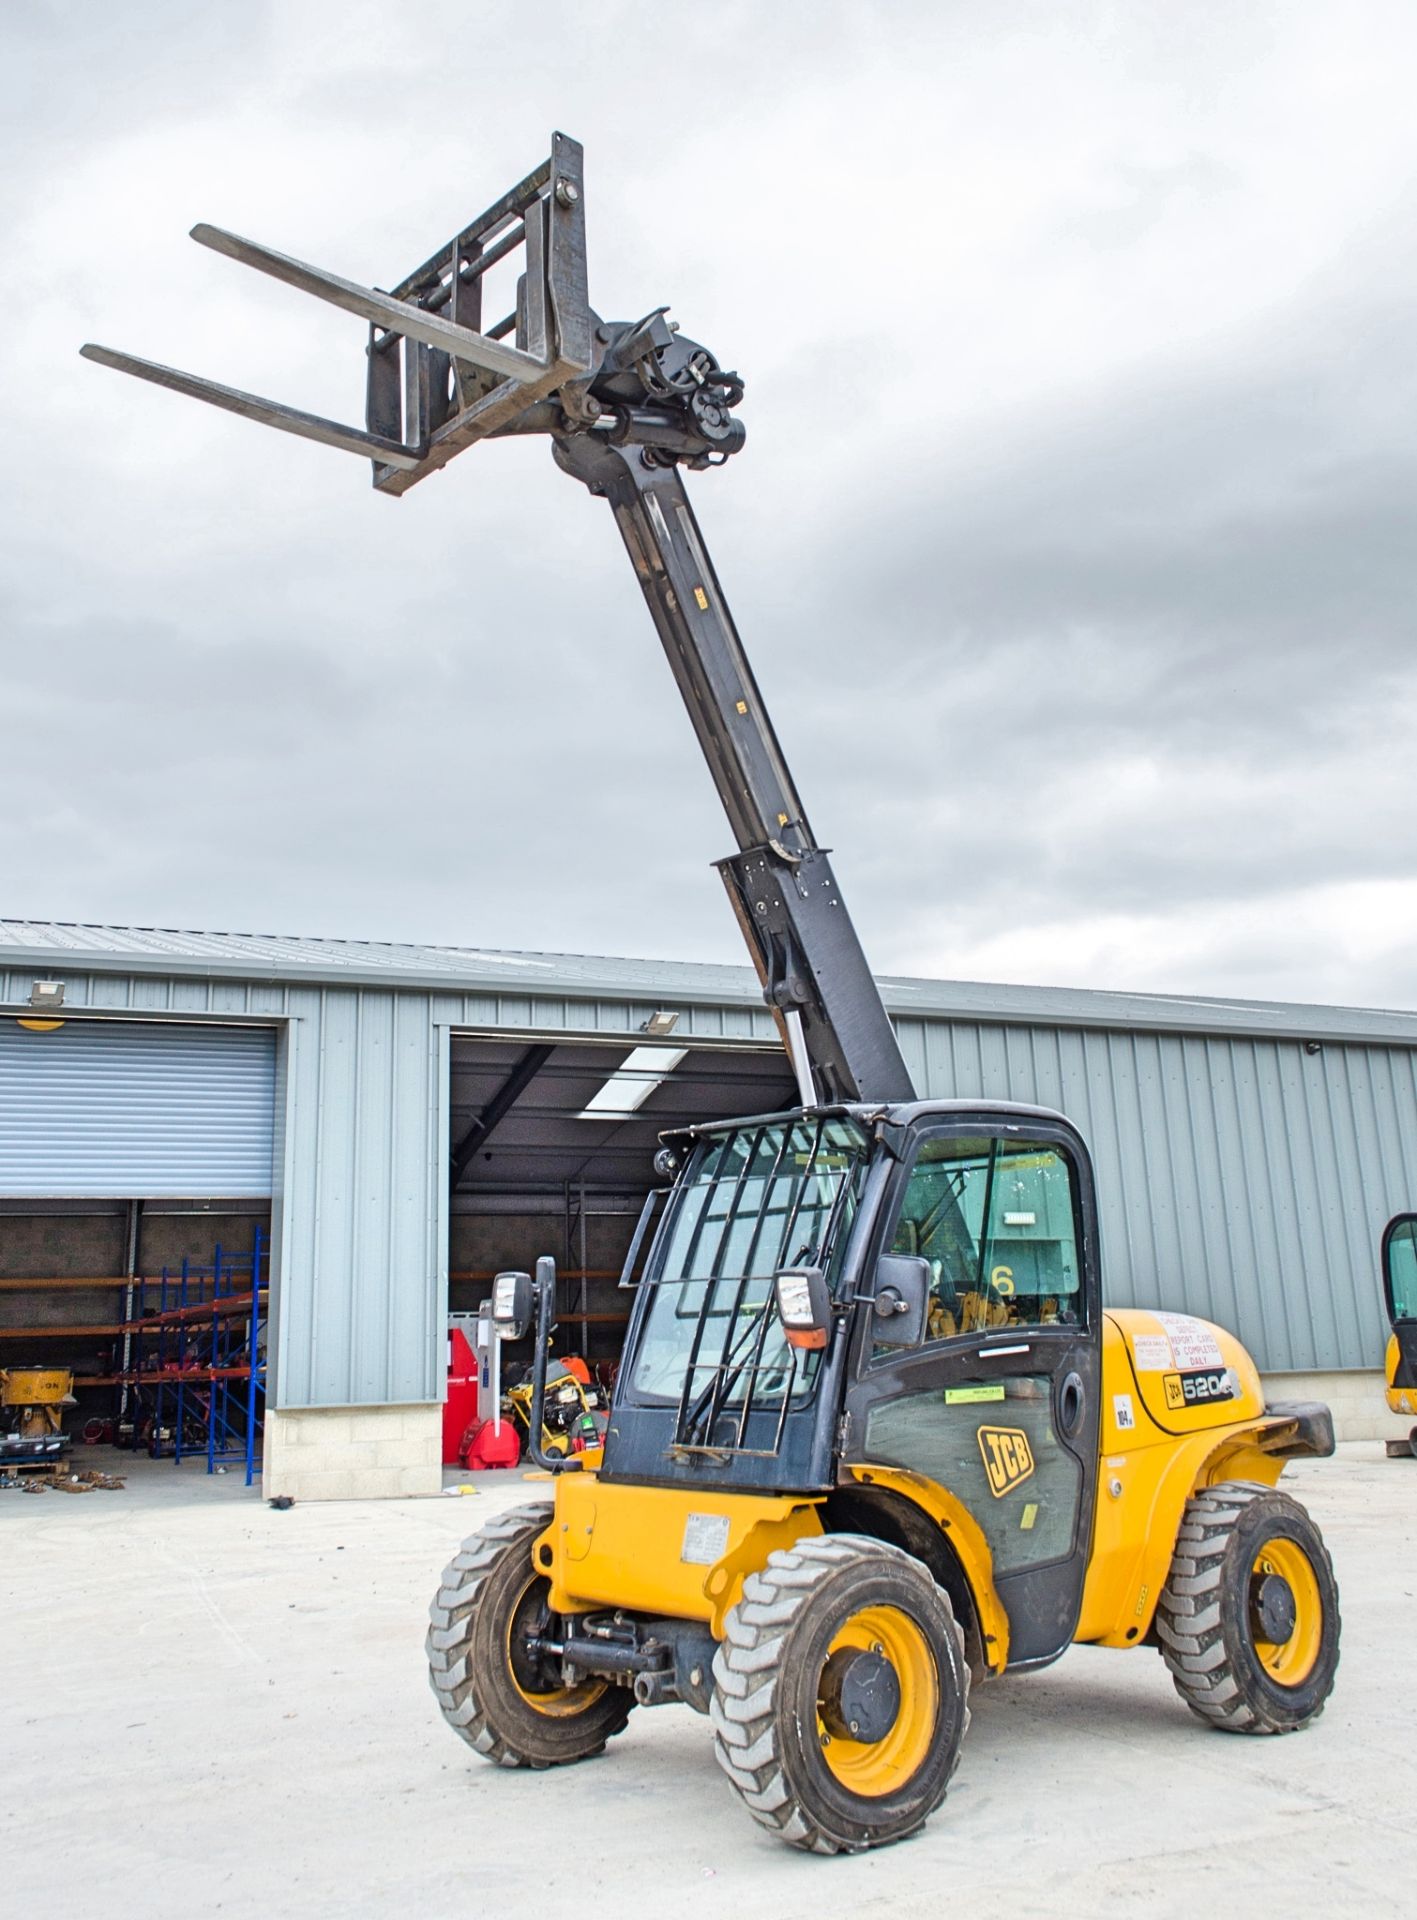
116	1108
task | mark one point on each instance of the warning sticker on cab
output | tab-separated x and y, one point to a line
1192	1342
705	1539
1151	1353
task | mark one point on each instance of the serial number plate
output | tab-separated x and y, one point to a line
705	1539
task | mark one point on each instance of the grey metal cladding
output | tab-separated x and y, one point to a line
362	1255
95	1109
1240	1178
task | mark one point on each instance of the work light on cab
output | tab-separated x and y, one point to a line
804	1307
512	1305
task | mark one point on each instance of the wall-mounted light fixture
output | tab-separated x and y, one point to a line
1313	1046
47	995
660	1024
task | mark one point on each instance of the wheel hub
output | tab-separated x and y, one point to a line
860	1695
1272	1610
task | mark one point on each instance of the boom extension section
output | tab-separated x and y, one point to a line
626	405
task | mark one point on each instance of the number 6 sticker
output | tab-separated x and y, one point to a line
1002	1280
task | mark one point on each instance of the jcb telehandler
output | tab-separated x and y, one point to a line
875	1436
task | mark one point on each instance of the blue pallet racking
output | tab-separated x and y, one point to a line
194	1367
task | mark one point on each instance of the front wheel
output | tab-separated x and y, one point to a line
841	1694
497	1689
1248	1619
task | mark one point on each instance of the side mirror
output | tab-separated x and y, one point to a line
804	1307
901	1296
512	1303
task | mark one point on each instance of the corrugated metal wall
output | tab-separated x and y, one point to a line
360	1240
1241	1178
100	1108
359	1219
1244	1180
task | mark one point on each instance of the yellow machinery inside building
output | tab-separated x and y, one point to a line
32	1405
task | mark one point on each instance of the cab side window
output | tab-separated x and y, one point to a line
1402	1268
995	1220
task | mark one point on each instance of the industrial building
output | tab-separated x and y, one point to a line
308	1152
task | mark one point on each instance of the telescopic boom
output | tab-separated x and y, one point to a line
626	406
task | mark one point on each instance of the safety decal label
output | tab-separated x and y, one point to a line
1007	1457
970	1396
1151	1353
705	1539
1202	1387
1123	1412
1192	1342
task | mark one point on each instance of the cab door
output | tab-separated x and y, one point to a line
1400	1288
999	1403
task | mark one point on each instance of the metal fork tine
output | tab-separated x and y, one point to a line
270	413
398	316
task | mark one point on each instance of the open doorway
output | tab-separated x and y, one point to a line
553	1145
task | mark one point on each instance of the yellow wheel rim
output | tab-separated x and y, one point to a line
561	1703
881	1766
1290	1662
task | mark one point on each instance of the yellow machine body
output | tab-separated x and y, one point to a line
685	1553
40	1394
1399	1399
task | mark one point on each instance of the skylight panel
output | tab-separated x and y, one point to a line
632	1083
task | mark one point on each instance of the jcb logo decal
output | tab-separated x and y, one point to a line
1007	1456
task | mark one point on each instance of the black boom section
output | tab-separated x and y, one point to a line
811	963
786	898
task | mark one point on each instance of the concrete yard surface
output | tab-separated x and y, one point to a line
213	1707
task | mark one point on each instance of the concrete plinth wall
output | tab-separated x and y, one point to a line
353	1453
1356	1397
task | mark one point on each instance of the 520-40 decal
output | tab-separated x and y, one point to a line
1202	1387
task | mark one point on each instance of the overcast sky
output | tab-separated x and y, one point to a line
1073	541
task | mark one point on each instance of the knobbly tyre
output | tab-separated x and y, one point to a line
875	1437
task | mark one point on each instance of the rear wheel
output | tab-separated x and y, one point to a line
841	1694
1248	1619
496	1690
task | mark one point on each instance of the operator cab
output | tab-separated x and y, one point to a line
1400	1283
937	1261
1400	1291
927	1225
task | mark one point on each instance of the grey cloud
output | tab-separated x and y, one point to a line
1144	648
